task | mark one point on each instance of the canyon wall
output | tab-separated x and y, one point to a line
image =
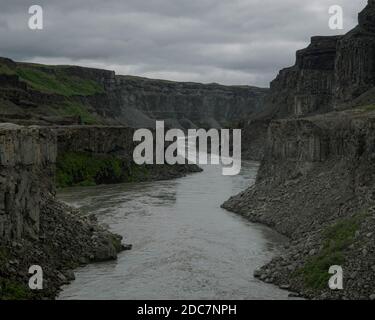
189	105
27	159
110	140
332	73
355	62
316	185
306	87
53	95
90	155
316	181
311	168
303	89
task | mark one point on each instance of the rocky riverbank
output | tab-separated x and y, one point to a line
36	229
316	186
316	180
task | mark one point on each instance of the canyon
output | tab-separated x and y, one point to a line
315	183
312	131
48	95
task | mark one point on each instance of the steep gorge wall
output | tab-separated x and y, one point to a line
36	229
316	185
306	87
48	95
313	170
109	140
355	61
332	73
27	159
322	144
89	155
188	105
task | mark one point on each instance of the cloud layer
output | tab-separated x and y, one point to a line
230	42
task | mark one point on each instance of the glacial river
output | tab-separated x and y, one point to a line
184	245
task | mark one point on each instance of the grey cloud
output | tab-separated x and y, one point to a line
232	42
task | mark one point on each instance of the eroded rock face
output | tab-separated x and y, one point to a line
316	173
35	228
109	140
109	99
27	159
112	142
332	73
355	61
306	87
187	105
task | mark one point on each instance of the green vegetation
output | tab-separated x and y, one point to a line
71	108
85	169
13	290
336	239
369	108
366	108
57	81
4	69
10	289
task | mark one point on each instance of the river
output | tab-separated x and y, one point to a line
184	245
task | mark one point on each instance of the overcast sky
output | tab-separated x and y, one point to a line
224	41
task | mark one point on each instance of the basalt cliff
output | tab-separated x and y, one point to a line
53	95
316	179
332	73
36	229
313	131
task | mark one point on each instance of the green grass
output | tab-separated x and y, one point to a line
336	239
368	108
71	108
4	69
57	82
12	290
84	169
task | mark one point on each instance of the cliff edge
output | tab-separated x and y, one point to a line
316	181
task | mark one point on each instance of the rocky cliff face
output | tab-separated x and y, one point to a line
303	89
89	155
306	87
187	105
35	229
27	158
316	185
38	94
355	62
332	73
316	182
